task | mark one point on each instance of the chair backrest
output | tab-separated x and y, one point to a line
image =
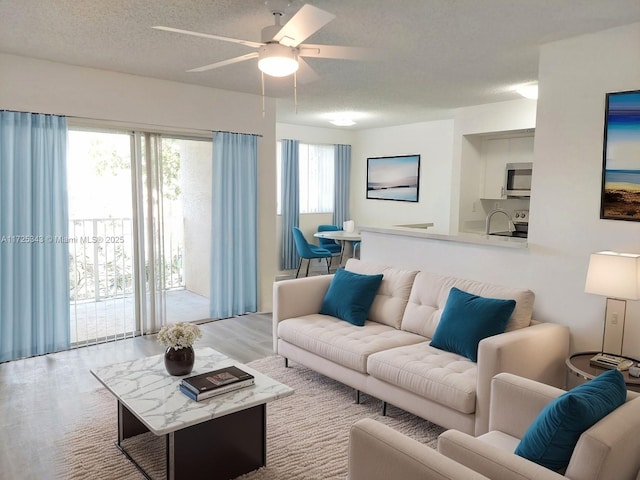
302	246
328	228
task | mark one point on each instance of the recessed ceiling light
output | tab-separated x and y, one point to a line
342	122
528	91
344	118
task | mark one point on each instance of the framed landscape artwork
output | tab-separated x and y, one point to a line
393	178
621	157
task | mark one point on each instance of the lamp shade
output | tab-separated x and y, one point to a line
614	275
277	60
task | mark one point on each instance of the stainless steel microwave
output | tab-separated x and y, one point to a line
518	179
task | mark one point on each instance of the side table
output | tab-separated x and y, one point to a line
578	365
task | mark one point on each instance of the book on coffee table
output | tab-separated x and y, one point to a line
217	382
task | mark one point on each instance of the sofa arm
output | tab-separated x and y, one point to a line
489	460
378	452
297	297
537	352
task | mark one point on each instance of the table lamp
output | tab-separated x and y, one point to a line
617	277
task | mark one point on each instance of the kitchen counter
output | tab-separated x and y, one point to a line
462	237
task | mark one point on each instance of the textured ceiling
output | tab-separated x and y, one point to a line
435	55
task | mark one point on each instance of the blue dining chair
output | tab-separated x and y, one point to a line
308	251
356	249
328	243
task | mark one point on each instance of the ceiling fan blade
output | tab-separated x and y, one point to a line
307	21
335	51
305	73
247	43
241	58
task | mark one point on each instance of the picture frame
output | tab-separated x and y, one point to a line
394	178
620	196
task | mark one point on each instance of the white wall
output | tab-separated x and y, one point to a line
574	76
195	182
45	87
433	141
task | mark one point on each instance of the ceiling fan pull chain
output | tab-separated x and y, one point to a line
295	92
262	92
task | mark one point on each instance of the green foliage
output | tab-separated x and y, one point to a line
108	160
170	170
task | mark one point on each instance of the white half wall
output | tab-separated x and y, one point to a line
28	84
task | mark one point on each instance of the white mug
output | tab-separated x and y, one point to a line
349	226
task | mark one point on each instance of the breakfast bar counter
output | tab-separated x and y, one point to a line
462	237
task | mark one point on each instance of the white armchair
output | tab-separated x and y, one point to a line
378	452
607	450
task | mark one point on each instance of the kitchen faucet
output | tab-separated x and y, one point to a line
487	226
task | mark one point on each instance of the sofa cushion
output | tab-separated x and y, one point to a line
467	319
392	296
553	435
443	377
350	295
340	341
430	292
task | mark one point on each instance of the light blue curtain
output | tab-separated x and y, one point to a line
290	202
234	236
342	175
34	256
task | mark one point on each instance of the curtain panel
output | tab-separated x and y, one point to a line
290	202
148	232
234	235
34	256
342	174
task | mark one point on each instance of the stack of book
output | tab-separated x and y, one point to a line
217	382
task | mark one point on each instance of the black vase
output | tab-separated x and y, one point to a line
179	362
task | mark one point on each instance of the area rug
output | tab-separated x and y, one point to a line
307	432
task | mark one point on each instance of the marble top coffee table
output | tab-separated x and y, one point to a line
218	438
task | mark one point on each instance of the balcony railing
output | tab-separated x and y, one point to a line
101	259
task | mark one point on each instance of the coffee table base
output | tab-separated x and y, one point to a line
220	449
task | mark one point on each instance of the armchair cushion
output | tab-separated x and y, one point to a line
350	296
467	319
552	437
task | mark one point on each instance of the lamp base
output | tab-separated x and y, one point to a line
614	326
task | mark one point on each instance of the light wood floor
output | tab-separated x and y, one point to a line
39	395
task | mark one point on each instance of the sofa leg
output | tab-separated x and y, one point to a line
286	362
384	409
357	397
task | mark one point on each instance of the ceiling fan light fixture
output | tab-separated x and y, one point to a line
277	60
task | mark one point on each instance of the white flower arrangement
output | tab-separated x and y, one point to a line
179	335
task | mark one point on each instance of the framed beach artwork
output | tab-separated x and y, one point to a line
621	157
393	178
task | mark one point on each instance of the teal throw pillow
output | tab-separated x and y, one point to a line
467	319
350	296
551	438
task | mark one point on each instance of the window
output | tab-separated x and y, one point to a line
316	180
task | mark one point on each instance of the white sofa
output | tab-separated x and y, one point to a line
608	450
390	357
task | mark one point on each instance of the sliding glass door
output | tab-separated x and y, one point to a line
139	232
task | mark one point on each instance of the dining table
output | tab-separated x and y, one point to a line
344	238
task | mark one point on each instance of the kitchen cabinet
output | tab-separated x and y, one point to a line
495	153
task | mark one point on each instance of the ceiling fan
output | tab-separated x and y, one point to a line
281	50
